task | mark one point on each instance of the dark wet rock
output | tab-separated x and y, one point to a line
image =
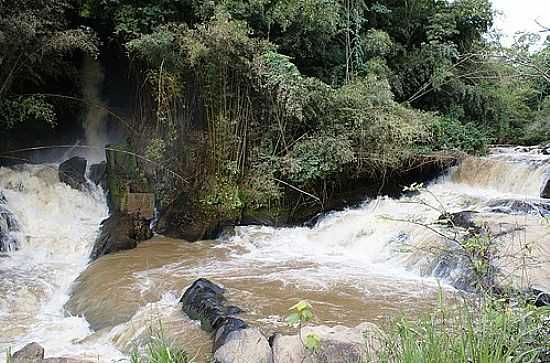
546	190
8	224
30	353
515	206
73	172
244	346
98	174
464	219
204	301
538	298
120	232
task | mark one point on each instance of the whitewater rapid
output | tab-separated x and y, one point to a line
57	228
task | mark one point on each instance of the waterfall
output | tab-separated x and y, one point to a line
95	123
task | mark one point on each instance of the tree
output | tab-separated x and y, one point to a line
35	38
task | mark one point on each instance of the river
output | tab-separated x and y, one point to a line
368	263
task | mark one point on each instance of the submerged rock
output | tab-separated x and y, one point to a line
245	346
337	344
73	172
120	232
516	206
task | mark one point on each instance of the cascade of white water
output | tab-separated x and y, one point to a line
57	228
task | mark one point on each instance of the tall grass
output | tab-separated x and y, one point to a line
495	331
159	350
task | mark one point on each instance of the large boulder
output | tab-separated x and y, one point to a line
120	232
204	301
337	344
244	346
73	172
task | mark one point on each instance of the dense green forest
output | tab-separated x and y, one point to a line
248	102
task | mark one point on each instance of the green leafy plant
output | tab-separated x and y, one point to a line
301	314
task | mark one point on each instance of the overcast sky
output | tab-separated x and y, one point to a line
520	15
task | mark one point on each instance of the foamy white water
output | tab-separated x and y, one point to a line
374	241
58	226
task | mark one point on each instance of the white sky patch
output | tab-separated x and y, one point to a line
521	16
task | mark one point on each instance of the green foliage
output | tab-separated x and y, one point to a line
312	342
539	130
317	158
35	38
20	109
491	333
301	313
308	92
451	135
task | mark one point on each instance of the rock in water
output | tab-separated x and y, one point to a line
245	346
8	224
515	206
464	219
30	353
204	301
546	190
73	172
120	232
337	344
